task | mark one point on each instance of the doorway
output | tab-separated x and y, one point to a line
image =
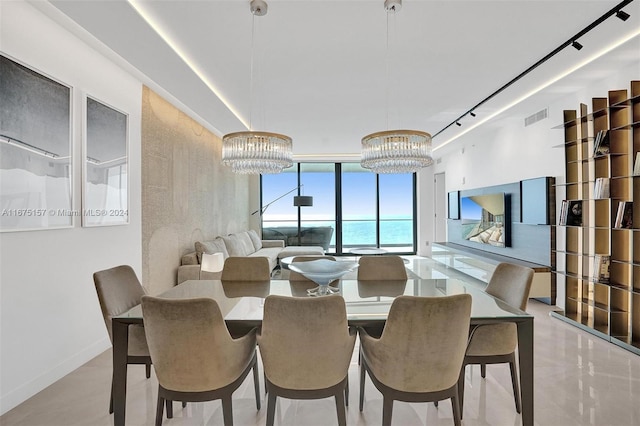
440	208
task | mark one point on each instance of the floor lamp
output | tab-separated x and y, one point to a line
298	201
301	201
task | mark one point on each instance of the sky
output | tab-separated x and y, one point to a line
358	195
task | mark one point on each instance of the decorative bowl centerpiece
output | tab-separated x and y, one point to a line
322	272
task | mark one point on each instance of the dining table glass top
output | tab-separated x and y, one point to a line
366	301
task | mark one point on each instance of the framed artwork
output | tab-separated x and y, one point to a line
105	198
36	185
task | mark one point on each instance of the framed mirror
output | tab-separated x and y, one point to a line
35	150
106	180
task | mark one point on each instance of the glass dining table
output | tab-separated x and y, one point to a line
367	303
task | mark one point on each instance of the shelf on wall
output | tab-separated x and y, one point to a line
604	303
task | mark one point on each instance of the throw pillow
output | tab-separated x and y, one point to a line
235	247
215	246
255	239
245	239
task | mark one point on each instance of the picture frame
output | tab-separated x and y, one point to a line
36	149
105	192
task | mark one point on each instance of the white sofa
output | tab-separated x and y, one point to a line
245	243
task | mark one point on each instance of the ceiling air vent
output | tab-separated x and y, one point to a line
438	160
534	118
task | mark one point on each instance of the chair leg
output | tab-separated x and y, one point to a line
435	403
362	368
387	409
147	367
483	370
264	378
461	390
169	408
342	416
159	409
184	404
256	384
455	405
111	399
514	381
227	410
346	394
271	408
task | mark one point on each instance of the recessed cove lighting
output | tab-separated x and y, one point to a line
139	7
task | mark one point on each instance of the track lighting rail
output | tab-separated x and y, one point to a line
614	11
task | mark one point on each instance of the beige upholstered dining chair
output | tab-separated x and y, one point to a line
194	356
118	291
306	347
251	268
420	353
383	275
386	267
381	288
496	343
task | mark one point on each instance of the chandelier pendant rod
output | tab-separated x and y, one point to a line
253	30
388	67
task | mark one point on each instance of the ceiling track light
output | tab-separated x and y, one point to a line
471	113
458	124
622	15
614	11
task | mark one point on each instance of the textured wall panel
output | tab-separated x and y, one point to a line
187	194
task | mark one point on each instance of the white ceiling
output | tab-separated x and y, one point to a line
319	66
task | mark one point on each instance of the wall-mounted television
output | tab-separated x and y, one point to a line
454	205
486	219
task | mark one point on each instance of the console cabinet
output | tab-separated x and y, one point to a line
602	300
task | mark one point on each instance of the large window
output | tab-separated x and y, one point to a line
359	211
352	208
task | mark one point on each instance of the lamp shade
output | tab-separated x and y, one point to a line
213	262
302	201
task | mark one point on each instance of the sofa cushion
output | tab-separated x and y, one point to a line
300	251
255	239
270	253
217	245
235	247
245	238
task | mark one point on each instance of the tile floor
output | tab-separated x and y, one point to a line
580	380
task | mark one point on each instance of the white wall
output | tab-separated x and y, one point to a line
50	321
504	151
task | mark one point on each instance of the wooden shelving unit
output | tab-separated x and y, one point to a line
605	306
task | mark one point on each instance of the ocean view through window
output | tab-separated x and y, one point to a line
352	208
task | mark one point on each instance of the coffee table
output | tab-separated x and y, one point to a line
367	251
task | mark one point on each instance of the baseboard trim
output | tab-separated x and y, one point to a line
19	395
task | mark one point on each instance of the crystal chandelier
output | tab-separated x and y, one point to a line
395	151
257	152
253	152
